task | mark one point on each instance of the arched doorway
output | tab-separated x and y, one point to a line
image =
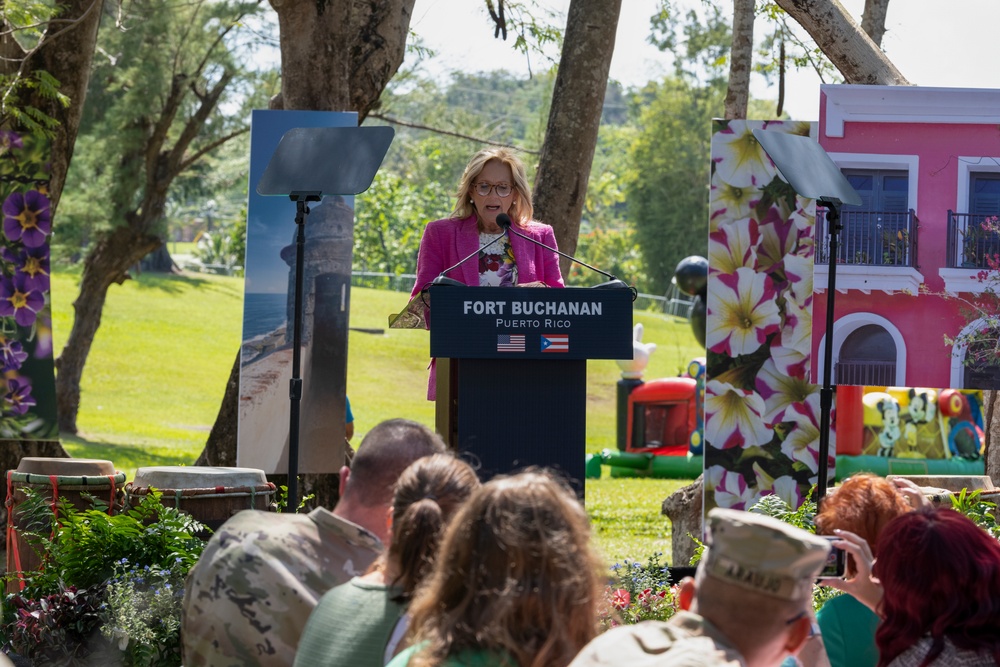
867	357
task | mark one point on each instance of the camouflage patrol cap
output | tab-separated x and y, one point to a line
762	554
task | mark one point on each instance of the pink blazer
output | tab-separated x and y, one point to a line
447	241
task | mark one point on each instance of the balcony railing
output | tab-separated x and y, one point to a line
973	240
870	238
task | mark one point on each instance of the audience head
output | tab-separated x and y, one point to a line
426	497
940	576
515	576
383	455
754	582
863	504
521	209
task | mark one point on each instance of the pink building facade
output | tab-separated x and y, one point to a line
926	161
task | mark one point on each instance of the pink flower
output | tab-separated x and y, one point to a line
620	599
742	313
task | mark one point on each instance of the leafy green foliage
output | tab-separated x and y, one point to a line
56	629
668	193
391	216
142	614
167	88
82	547
773	506
982	512
122	573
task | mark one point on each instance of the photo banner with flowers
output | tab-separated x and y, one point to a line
28	409
761	411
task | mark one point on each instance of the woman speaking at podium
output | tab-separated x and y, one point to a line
494	185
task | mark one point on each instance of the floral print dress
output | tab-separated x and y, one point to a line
497	267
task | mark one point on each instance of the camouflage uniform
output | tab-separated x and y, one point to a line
249	596
685	640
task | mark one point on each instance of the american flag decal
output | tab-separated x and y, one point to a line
555	342
508	343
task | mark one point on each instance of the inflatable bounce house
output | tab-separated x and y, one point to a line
663	429
909	431
883	430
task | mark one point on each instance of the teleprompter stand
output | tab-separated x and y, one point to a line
512	371
307	165
811	173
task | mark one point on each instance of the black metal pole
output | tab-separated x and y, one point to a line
826	392
295	384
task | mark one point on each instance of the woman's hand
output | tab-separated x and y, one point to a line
909	490
863	586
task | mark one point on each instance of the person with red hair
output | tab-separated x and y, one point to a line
936	586
863	504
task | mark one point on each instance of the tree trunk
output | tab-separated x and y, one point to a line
574	119
873	19
991	402
740	60
338	55
158	261
684	508
107	262
851	51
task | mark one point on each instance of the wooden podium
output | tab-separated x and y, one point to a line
512	371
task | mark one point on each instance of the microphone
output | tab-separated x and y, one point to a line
614	283
443	278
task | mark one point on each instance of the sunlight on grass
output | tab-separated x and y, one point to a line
625	517
160	361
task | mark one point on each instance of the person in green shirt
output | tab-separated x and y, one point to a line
358	623
863	504
515	583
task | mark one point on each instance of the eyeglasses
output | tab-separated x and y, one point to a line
502	189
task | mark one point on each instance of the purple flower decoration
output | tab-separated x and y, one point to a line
26	218
12	354
17	300
19	396
9	140
33	263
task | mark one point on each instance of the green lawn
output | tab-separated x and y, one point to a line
160	361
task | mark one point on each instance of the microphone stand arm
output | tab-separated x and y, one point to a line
561	253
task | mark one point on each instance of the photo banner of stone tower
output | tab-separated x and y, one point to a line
268	353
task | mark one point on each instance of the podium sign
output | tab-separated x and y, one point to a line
512	370
531	323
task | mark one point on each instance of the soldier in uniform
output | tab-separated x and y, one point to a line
249	596
748	605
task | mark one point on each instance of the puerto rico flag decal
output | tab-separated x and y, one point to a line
555	342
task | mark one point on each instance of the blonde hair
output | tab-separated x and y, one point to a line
515	577
521	209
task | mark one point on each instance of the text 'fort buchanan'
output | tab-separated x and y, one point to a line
505	322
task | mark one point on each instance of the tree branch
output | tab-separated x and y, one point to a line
448	133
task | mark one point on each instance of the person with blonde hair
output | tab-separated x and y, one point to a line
515	583
494	184
361	622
